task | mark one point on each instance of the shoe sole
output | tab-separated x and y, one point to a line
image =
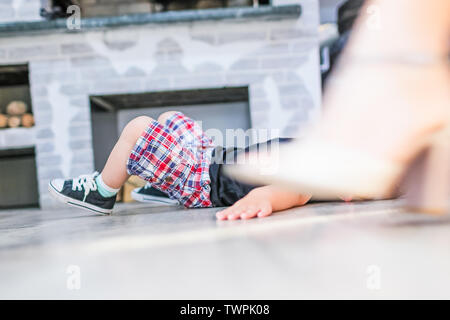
152	199
76	203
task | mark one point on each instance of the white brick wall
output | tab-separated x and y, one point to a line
19	10
277	60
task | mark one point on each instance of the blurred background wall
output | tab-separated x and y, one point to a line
234	67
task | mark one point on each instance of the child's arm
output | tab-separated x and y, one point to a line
261	202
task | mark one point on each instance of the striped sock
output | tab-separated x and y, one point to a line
105	190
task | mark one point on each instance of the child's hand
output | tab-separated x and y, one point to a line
255	204
261	202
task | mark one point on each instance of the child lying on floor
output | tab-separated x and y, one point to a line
176	157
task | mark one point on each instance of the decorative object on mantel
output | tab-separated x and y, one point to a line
208	4
240	3
177	5
52	9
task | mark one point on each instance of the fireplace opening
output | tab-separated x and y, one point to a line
220	111
217	110
18	182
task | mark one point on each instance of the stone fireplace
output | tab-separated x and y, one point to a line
270	52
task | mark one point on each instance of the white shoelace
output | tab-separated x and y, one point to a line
147	186
85	182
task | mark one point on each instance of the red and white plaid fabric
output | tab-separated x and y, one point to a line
175	159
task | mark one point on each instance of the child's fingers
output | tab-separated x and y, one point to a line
264	212
223	215
230	212
242	211
234	216
250	212
236	211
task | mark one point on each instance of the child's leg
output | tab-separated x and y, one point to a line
153	151
114	173
174	155
164	116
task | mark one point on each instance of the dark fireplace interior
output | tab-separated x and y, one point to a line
18	182
221	108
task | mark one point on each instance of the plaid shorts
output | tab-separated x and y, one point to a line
175	159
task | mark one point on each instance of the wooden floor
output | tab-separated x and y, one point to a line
323	250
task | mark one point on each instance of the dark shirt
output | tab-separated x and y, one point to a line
347	14
225	191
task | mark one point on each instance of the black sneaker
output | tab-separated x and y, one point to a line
148	194
81	192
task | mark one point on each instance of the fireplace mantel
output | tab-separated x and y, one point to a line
59	25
